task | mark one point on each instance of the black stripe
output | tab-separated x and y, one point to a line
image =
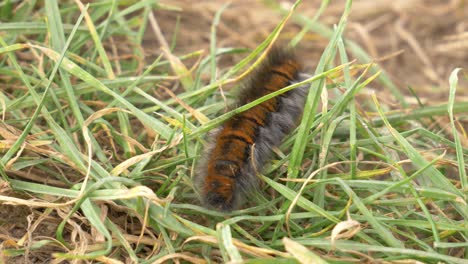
226	162
275	106
240	138
264	107
253	120
222	166
282	74
235	122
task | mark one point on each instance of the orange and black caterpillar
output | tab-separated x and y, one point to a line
242	145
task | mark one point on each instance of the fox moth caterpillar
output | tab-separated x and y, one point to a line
243	144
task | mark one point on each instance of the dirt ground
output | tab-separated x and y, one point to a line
429	35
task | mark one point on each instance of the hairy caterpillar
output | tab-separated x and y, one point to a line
244	143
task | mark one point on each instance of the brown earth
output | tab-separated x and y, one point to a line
430	34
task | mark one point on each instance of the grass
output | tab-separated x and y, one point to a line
99	153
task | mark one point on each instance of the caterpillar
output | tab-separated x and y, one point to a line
243	144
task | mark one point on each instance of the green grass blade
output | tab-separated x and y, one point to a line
313	97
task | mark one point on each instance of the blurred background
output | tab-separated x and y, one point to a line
417	42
